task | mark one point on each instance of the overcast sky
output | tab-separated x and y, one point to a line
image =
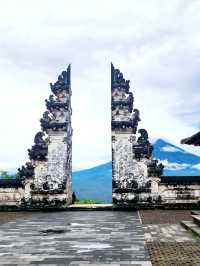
156	44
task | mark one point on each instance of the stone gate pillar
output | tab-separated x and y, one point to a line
56	122
131	155
50	168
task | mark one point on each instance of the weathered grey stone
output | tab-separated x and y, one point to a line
45	181
137	178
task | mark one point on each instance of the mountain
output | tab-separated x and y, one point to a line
176	160
95	183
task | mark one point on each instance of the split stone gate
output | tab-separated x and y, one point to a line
137	180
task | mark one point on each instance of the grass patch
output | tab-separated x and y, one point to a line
86	201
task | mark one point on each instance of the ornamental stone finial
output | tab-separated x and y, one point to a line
63	82
117	79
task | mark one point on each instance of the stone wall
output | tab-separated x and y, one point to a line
180	194
11	197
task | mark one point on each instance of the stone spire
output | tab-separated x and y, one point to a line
58	114
123	115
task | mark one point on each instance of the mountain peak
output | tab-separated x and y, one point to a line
170	155
166	146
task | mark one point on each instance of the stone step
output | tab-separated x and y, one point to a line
196	219
89	207
193	227
195	212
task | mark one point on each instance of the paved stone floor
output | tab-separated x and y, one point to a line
12	216
174	254
74	238
168	242
167	233
165	216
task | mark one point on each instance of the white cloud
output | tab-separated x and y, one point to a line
156	46
170	149
196	166
7	166
174	166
